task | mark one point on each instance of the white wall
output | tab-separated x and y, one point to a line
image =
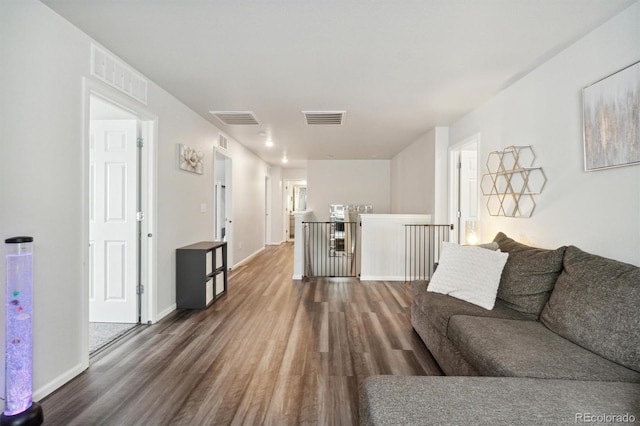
180	193
44	59
419	176
413	177
247	182
294	174
41	120
277	205
441	194
383	245
348	182
596	211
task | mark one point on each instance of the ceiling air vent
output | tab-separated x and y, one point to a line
236	118
324	117
222	141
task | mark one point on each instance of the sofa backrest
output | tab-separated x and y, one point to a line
596	304
528	276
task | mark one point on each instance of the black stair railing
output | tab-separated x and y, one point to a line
330	249
423	245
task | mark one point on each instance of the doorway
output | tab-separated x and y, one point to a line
114	201
223	218
464	190
119	186
295	200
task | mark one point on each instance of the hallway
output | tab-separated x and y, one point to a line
271	351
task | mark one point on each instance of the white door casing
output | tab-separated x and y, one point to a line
463	186
228	207
223	217
468	189
220	217
113	268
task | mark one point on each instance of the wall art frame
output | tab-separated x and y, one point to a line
190	159
611	117
512	182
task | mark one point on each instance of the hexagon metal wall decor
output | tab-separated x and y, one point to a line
512	182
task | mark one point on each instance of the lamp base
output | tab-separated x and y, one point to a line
32	416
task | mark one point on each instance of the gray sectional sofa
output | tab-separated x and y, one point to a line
561	345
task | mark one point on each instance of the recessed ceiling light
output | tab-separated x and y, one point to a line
269	143
262	134
285	160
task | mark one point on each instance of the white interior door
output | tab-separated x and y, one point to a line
113	225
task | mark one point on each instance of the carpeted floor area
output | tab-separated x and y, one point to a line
102	333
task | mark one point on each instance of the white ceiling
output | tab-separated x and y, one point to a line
397	67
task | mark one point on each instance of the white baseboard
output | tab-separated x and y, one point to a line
75	371
381	278
58	382
297	277
165	312
248	258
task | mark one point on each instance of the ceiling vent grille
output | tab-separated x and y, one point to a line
116	73
236	118
324	117
222	141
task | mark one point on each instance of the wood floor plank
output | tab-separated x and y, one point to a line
271	351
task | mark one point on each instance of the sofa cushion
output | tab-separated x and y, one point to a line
439	308
596	304
447	356
528	276
397	400
502	347
469	273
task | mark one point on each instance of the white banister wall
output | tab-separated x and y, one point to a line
383	245
298	242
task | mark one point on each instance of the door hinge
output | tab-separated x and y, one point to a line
140	289
459	165
140	142
140	216
458	214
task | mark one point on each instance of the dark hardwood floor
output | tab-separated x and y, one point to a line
271	351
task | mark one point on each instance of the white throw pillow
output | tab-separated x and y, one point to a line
469	273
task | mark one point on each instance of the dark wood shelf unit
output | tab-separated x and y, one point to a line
201	274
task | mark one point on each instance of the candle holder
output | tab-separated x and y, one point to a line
19	408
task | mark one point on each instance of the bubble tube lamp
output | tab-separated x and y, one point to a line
19	408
